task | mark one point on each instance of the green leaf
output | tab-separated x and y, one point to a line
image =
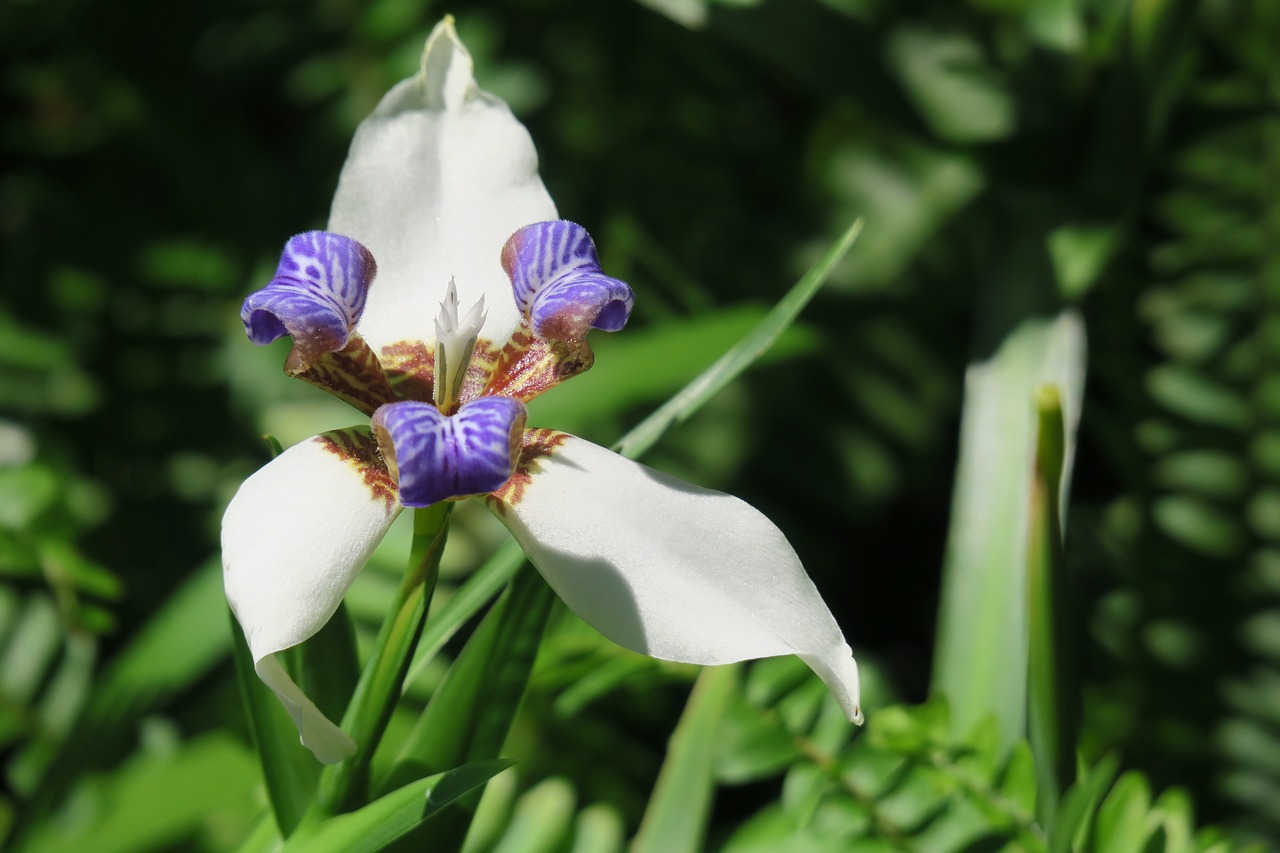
289	769
598	829
542	821
467	600
154	800
388	818
981	659
680	807
1052	691
343	785
731	365
471	713
752	745
489	668
177	647
647	366
1121	825
1074	816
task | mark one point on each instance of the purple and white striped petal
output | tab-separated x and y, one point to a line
316	297
438	457
558	284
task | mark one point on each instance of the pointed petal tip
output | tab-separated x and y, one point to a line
838	669
328	743
447	73
668	569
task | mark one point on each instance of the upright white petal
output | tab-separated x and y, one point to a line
294	537
438	177
669	569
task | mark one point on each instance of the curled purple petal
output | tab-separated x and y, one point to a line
439	457
316	297
558	284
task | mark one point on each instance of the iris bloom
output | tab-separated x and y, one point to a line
440	186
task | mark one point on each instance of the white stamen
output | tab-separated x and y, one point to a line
455	343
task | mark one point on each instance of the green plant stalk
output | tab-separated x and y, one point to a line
1052	689
289	771
343	786
679	809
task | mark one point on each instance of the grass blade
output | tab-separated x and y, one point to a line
680	806
731	365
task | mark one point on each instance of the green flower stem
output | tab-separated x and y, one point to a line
1052	713
343	786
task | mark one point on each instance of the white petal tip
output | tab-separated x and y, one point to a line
839	670
328	743
447	73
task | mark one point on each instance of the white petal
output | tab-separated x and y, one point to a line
294	537
438	177
672	570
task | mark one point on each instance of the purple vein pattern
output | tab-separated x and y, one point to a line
316	297
558	283
440	457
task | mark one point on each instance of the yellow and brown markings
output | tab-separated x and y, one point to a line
358	448
479	370
537	445
530	364
352	373
411	369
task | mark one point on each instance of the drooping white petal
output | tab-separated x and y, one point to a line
294	537
667	568
438	177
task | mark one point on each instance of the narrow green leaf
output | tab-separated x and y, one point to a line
680	806
981	659
645	367
388	818
289	770
1052	691
273	445
1121	825
542	821
478	589
327	666
1074	817
343	785
470	715
488	668
598	829
731	365
154	800
177	647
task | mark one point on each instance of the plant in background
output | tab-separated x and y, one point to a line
773	113
436	179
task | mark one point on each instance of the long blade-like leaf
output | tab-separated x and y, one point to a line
181	642
731	365
380	823
1052	692
981	660
680	807
289	770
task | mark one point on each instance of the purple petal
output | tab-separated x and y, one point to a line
316	297
438	457
558	284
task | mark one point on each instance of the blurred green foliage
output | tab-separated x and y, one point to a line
1118	156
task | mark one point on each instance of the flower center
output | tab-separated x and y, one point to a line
455	344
